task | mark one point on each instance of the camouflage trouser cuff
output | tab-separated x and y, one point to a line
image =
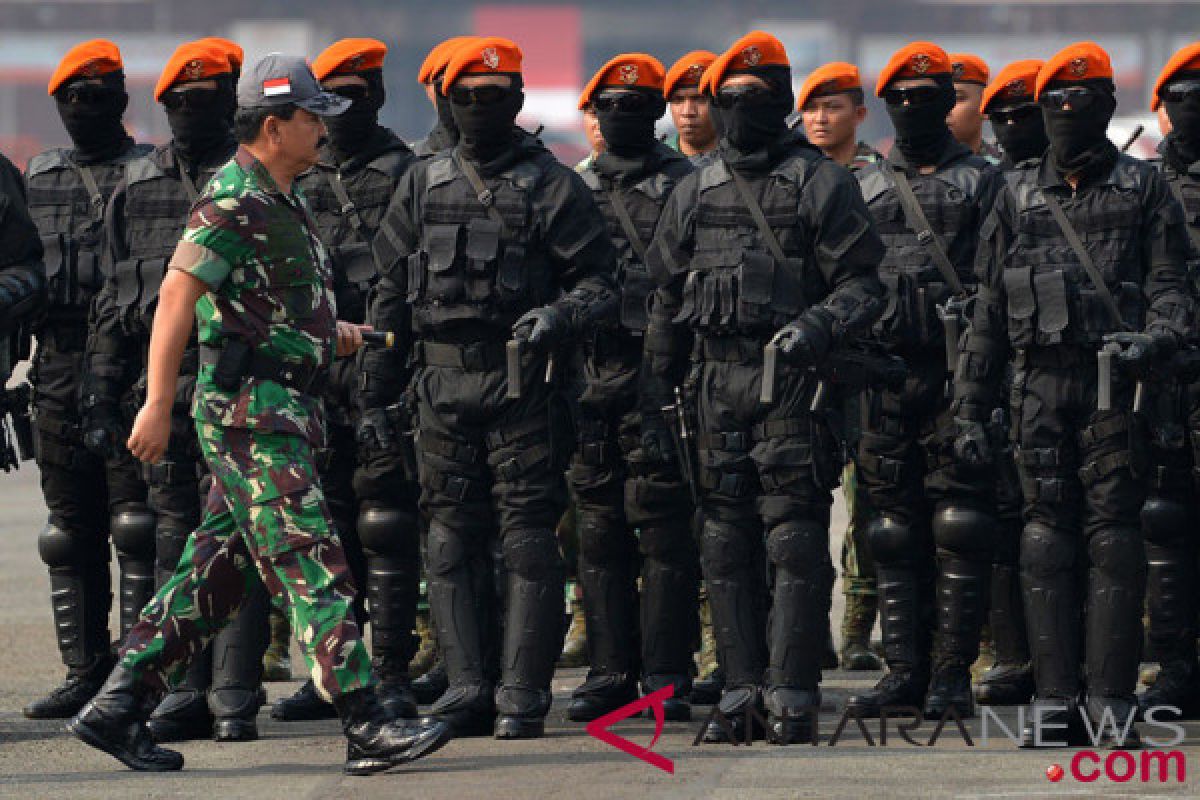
866	587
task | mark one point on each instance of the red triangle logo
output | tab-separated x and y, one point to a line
600	728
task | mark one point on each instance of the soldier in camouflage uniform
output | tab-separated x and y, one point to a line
491	240
832	109
257	278
144	220
374	502
67	193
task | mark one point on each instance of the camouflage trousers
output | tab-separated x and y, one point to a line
858	569
266	518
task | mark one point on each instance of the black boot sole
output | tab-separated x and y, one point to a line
60	712
998	695
370	766
233	729
90	737
785	731
519	728
167	729
466	725
589	708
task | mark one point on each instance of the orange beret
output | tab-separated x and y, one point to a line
969	68
832	78
233	51
192	61
349	56
753	51
1014	82
915	60
439	57
1185	60
687	71
1081	61
626	71
86	60
483	56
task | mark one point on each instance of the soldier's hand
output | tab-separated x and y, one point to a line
349	337
971	446
1141	350
657	445
803	342
375	431
542	328
151	432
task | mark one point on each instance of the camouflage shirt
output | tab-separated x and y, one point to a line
269	282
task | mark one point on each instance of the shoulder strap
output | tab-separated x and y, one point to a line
189	185
760	219
631	231
93	189
348	208
1085	259
919	224
482	192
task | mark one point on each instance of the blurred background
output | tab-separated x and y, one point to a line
564	43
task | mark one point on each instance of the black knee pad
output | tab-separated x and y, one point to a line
725	549
133	530
964	531
58	548
533	554
1165	520
799	547
668	544
1118	552
445	550
891	540
387	531
1046	551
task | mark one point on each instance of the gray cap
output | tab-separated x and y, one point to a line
279	80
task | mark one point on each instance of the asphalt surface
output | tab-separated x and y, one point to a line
303	760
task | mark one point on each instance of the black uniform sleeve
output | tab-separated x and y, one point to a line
22	274
578	243
1166	248
985	348
847	250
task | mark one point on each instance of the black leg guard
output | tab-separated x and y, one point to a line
237	651
389	537
735	597
1116	587
1010	681
133	532
669	613
1053	609
533	632
183	714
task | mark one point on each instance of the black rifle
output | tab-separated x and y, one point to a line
856	368
676	416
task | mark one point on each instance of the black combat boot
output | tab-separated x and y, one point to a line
237	654
394	689
601	693
376	742
707	691
432	685
1010	680
739	706
183	715
669	615
1005	685
64	701
114	721
305	704
1061	724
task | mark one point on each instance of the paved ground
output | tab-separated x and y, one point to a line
303	760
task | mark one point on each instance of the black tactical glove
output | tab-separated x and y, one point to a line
657	445
804	342
103	429
971	444
374	431
543	328
1141	351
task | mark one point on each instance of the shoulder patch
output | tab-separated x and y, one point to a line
47	161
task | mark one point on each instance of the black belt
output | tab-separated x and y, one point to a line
304	379
1055	357
731	348
475	357
614	345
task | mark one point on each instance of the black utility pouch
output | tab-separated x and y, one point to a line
232	365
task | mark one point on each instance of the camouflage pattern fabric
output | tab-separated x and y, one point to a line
270	283
864	156
265	514
858	570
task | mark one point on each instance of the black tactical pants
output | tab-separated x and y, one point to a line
766	472
932	569
1082	557
85	496
487	463
631	502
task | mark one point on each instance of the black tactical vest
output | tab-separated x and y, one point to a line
1186	188
915	286
71	225
347	232
735	286
156	209
470	267
1051	299
644	201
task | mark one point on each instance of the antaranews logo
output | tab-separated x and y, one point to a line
1153	765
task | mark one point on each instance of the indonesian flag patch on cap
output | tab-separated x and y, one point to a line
276	87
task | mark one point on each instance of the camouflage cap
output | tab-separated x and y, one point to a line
279	80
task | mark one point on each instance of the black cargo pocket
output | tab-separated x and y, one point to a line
356	262
512	276
152	271
125	277
756	281
483	244
691	300
636	287
1021	305
1050	293
442	248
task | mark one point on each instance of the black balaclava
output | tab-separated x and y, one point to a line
631	133
1079	139
445	115
486	132
922	134
1182	146
353	129
1025	138
747	129
203	135
95	128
